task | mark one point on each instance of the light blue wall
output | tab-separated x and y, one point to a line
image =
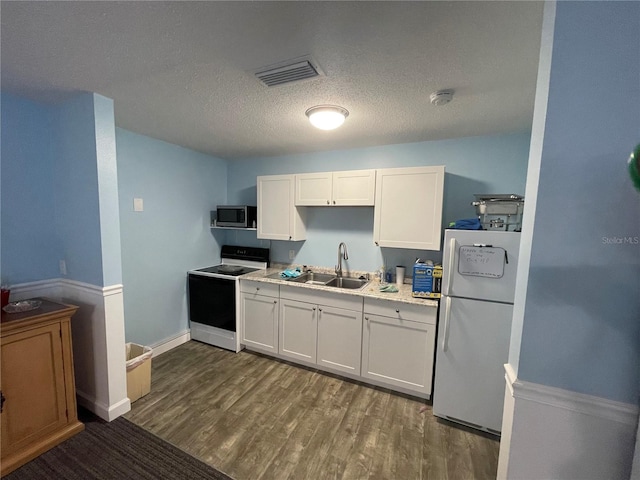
108	190
76	190
61	200
179	188
30	249
59	191
495	164
581	328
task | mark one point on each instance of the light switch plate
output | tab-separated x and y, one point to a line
292	254
138	206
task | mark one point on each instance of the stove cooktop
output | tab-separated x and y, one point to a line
230	270
237	261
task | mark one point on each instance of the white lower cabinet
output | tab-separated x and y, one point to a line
259	313
391	344
398	344
321	328
340	339
298	324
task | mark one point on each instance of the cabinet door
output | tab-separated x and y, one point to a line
354	188
339	339
275	194
298	324
408	208
278	217
33	385
313	189
260	322
398	352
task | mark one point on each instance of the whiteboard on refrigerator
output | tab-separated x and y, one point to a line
481	261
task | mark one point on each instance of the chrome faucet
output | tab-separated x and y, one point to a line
342	253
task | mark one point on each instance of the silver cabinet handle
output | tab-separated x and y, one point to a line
397	310
314	309
445	330
327	202
275	301
320	309
334	202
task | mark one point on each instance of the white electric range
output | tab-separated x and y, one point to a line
214	295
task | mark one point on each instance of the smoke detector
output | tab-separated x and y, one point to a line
441	97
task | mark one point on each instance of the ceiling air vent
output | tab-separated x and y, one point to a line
289	71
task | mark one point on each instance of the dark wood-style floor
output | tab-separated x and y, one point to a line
254	417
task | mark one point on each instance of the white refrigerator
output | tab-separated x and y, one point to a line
474	328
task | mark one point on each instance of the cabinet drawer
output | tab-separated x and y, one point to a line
401	311
259	288
322	297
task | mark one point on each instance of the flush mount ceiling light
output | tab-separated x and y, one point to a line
327	117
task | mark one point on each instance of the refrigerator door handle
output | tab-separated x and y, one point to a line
445	330
452	262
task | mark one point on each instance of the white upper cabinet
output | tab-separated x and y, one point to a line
278	217
356	187
408	208
407	201
348	188
314	189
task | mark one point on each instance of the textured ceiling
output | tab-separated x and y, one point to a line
182	71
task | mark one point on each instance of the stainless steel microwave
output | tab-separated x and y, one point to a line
239	216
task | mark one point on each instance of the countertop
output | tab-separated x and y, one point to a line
372	290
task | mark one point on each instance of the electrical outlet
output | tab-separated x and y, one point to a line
138	205
63	267
292	254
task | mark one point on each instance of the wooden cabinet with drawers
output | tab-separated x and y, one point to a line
37	384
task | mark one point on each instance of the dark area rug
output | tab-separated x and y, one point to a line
115	450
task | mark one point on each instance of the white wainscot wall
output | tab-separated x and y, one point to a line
554	433
98	341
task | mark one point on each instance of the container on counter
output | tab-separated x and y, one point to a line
427	280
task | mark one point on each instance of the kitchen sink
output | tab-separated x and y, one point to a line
314	278
325	279
350	283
